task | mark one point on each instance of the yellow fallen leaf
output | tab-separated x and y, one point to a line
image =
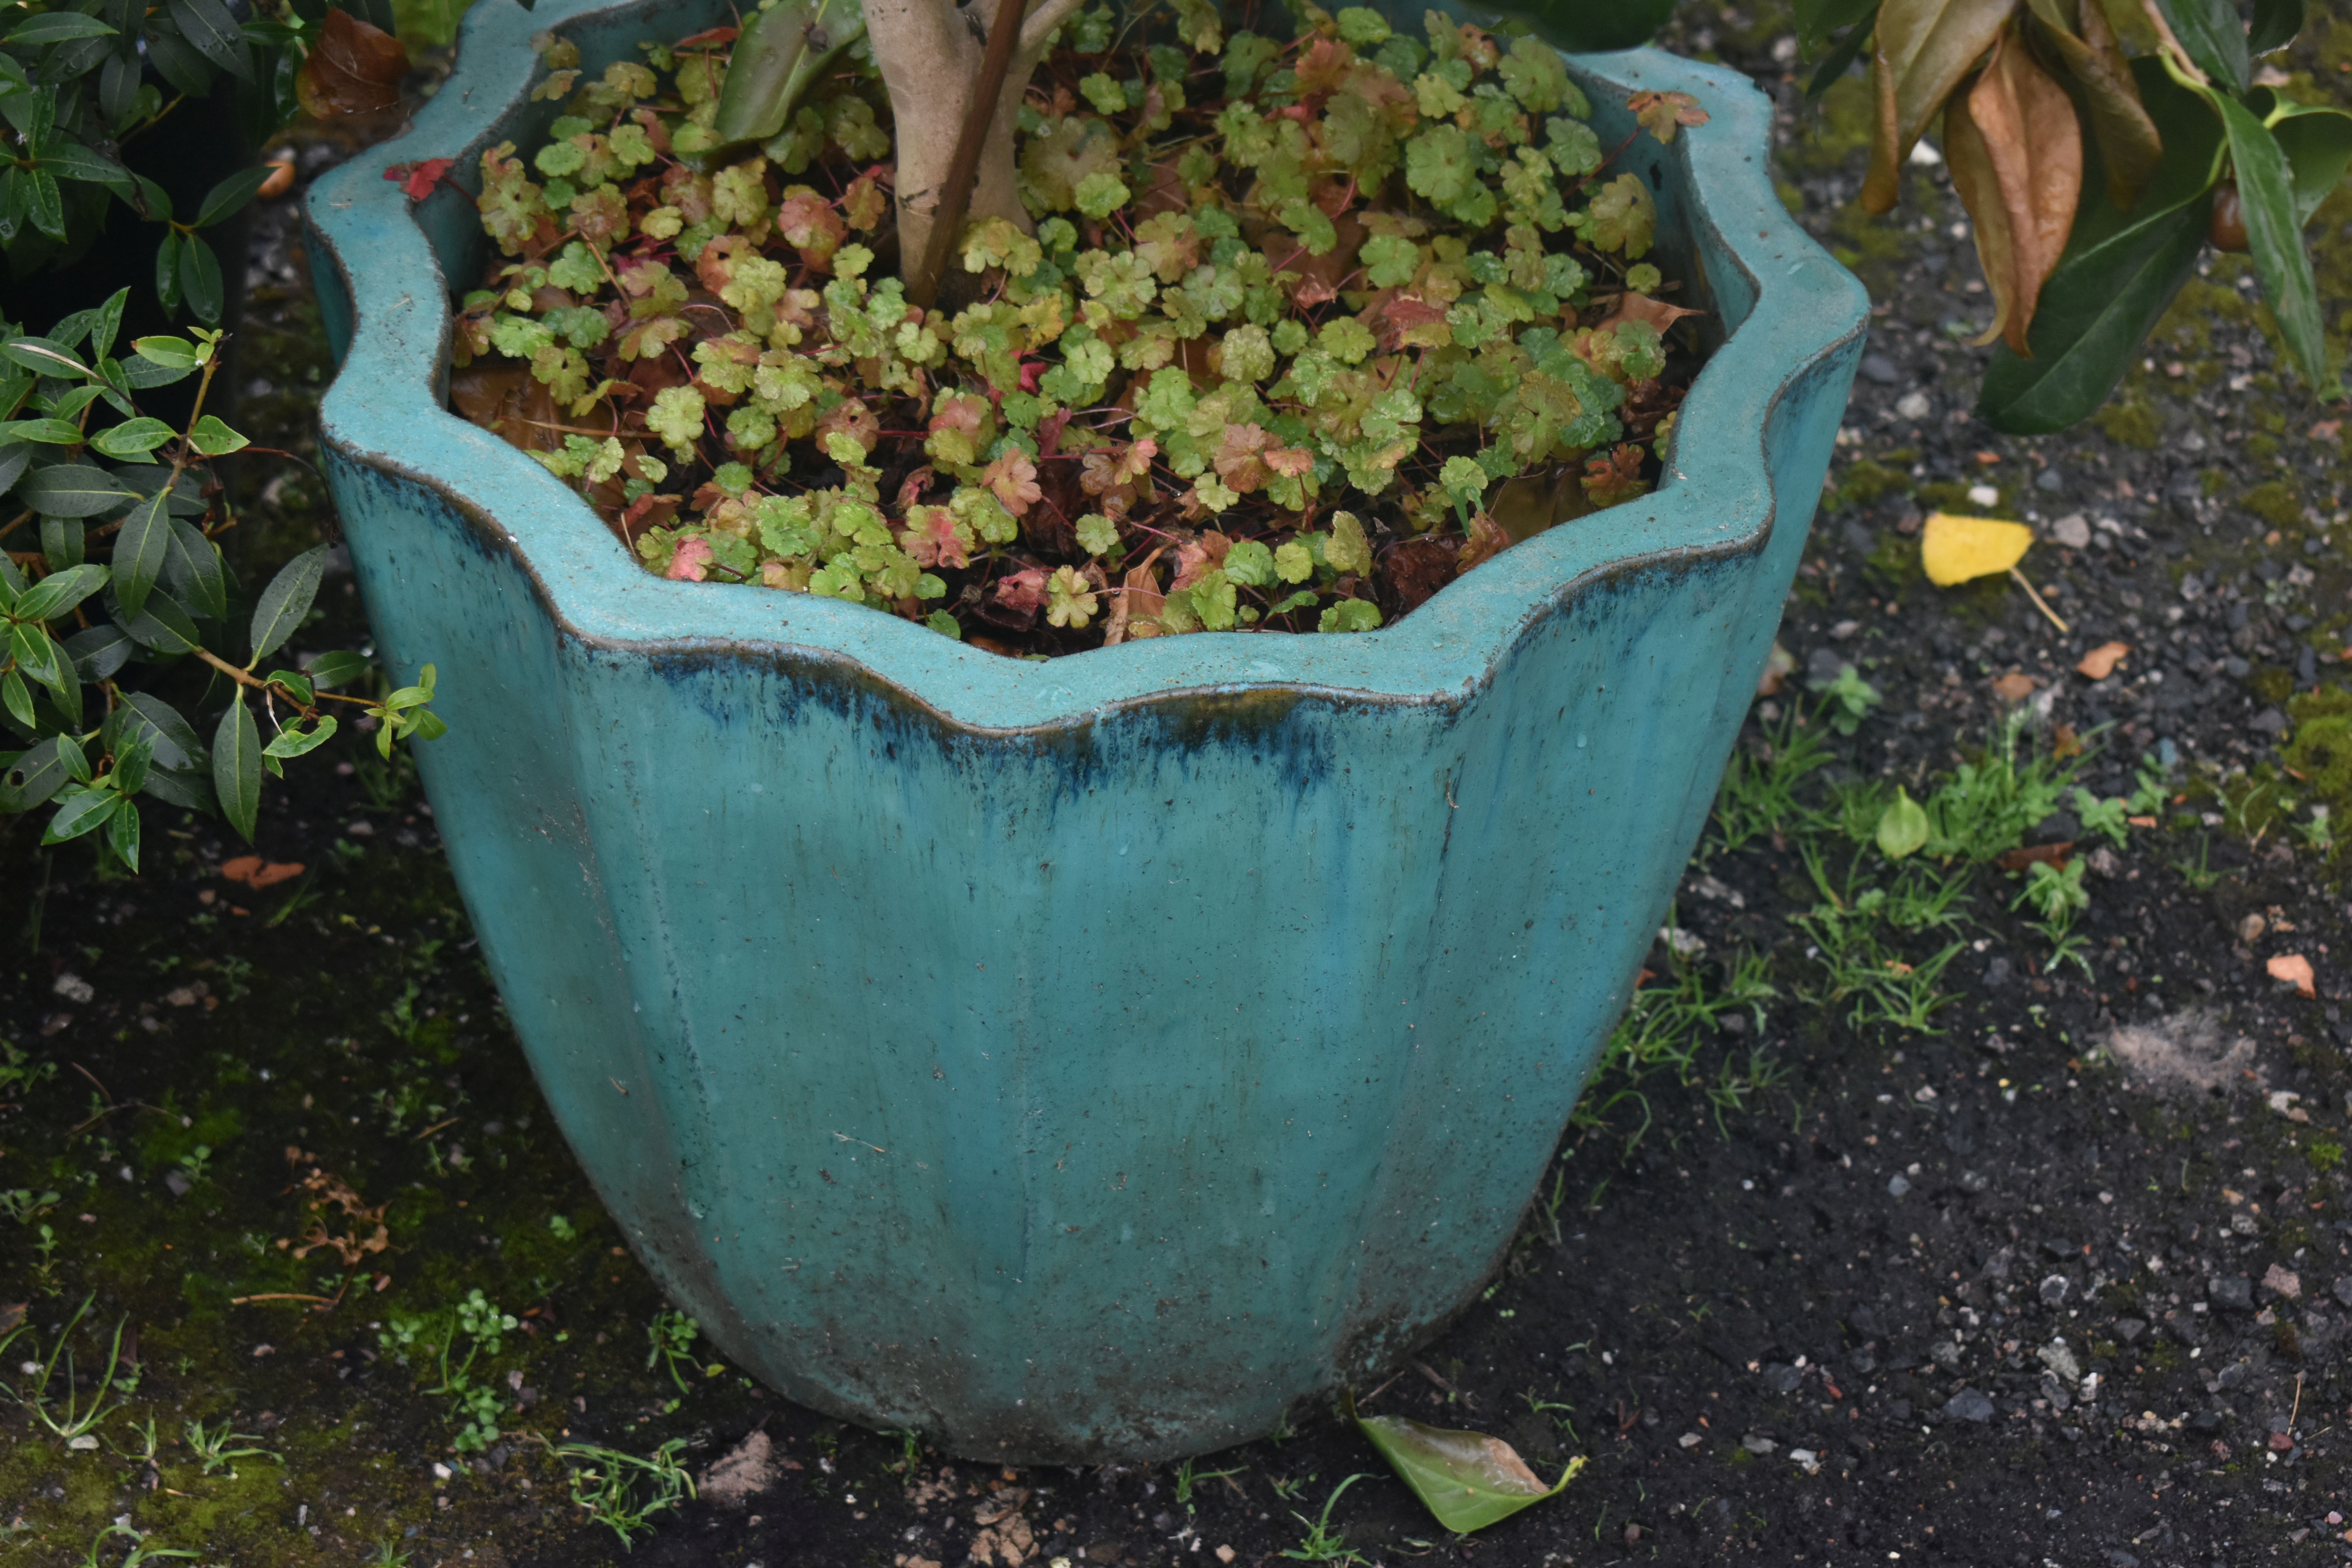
1961	549
2101	661
2294	970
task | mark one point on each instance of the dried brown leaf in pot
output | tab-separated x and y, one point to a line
354	69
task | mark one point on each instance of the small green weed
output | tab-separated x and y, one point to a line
1187	1478
2325	1155
388	1555
1322	1543
19	1074
211	1448
623	1492
483	1327
1847	699
140	1550
673	1334
21	1203
1759	795
58	1403
1667	1028
2057	896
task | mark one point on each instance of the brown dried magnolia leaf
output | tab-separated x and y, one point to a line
2129	143
1924	49
354	69
2030	172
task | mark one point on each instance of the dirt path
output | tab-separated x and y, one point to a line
2065	1279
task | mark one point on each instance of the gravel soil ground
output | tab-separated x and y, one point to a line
1918	1227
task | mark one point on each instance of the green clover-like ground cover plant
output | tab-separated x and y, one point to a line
1304	328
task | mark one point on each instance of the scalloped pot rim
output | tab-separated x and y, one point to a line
384	412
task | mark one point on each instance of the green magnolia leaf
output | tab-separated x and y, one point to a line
1840	60
1622	25
2209	30
216	439
2276	22
1817	19
171	740
63	541
2119	274
284	603
329	671
1467	1479
132	437
2318	147
237	767
58	592
783	50
1902	827
2266	190
74	489
139	551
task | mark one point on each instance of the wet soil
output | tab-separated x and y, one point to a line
1848	1315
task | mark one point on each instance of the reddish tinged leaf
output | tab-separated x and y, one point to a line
1923	50
931	538
690	560
1615	477
1295	462
354	69
1486	541
2016	149
1632	307
1324	66
1014	478
1134	462
1660	113
863	203
417	180
1238	461
1135	608
809	223
1023	591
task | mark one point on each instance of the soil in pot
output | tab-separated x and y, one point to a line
1294	331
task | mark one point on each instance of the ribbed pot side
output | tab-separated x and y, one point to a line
1087	1060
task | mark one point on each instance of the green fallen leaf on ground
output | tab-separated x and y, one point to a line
1467	1479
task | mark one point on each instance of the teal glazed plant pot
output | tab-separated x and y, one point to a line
1081	1060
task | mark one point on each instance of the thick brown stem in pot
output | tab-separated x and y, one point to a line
929	52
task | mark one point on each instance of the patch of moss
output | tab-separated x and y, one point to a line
1894	565
1836	134
1942	495
2130	421
2276	502
2272	684
1866	480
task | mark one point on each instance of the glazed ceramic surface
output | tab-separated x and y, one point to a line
1087	1060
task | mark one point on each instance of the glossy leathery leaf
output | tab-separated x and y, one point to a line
122	831
295	741
1924	49
2214	36
58	592
194	568
1467	1481
1817	19
1841	56
1578	24
2318	147
82	808
170	738
163	625
355	67
2275	25
2119	274
200	278
237	767
231	195
2266	187
782	51
132	437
